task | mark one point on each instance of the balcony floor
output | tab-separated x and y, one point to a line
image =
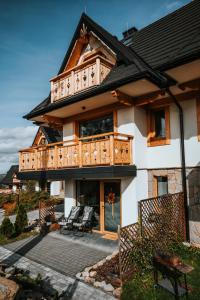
77	173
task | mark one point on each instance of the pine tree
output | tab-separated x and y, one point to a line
21	219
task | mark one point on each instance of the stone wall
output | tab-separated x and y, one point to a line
174	180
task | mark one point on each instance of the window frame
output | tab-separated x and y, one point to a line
153	141
155	184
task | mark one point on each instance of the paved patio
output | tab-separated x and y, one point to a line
53	282
65	254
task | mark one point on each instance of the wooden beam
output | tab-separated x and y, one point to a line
53	120
180	97
123	98
192	84
76	52
148	98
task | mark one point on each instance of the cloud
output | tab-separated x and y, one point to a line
11	141
173	5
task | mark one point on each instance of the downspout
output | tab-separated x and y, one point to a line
183	167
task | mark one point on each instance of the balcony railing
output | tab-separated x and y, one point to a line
99	150
88	74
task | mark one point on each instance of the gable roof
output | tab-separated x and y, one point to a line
168	42
171	40
52	135
8	179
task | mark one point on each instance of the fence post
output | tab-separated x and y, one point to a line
120	263
140	218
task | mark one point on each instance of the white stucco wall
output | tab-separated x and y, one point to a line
55	188
70	196
37	186
169	155
133	121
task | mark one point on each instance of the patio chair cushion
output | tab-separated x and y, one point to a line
74	214
87	213
86	219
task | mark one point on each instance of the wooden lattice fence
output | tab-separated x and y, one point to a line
46	211
160	219
163	217
127	237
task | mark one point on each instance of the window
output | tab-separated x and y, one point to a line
198	117
161	185
96	126
158	127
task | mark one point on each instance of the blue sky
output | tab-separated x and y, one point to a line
34	36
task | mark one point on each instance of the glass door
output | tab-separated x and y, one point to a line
111	206
88	193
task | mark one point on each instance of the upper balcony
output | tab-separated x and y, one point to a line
84	76
106	149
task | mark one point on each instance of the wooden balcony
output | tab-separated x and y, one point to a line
84	76
99	150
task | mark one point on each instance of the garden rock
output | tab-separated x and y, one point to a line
88	269
108	288
94	267
109	257
85	274
117	293
8	289
93	273
89	280
97	284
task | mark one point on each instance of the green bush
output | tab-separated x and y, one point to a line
7	228
21	219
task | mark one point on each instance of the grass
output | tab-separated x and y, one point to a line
24	235
142	286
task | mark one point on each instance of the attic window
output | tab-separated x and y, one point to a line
88	48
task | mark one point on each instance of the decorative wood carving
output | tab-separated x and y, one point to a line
81	77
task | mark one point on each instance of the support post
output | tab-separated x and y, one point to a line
111	150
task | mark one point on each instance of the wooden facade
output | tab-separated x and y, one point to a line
99	150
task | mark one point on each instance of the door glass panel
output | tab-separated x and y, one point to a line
111	206
88	193
96	126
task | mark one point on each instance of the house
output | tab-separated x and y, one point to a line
11	181
47	136
129	111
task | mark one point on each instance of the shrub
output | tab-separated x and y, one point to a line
21	219
7	228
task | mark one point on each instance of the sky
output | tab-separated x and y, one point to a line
34	36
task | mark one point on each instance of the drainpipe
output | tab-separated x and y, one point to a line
183	167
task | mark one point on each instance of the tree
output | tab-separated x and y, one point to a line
21	219
7	228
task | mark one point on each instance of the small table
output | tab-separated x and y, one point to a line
171	276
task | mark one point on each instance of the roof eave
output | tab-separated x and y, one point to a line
93	92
